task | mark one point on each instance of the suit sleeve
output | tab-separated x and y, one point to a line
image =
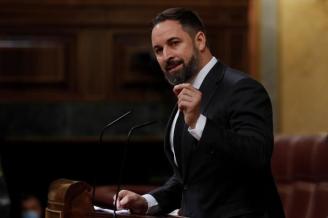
245	139
168	196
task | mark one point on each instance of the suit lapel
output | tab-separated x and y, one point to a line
210	85
208	88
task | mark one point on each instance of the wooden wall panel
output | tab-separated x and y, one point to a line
93	63
136	73
25	59
100	50
36	63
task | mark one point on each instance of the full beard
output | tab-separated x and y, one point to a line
187	72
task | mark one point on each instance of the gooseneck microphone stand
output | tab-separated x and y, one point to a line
123	160
100	141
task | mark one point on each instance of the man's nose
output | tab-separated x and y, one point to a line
167	53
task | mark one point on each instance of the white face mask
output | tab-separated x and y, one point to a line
30	214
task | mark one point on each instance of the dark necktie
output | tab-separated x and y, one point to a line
177	138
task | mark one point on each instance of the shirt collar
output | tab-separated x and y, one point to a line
197	82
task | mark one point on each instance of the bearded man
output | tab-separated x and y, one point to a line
219	138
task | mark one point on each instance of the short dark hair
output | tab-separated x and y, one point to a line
189	19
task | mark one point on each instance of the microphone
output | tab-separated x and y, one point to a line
124	158
100	141
112	123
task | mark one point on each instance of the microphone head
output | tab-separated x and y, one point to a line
140	126
145	124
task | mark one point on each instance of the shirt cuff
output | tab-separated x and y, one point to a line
152	204
197	132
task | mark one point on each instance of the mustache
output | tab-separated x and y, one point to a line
171	63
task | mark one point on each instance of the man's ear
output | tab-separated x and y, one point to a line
200	41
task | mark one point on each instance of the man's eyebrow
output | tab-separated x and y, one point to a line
169	40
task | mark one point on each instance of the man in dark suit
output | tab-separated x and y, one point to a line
219	138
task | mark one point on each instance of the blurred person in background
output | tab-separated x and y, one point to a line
31	207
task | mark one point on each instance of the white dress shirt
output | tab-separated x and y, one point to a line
195	132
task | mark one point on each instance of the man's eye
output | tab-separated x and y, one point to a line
174	43
158	51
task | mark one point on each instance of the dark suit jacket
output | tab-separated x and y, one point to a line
227	172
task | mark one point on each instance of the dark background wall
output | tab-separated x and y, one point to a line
69	67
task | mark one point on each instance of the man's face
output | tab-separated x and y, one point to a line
175	51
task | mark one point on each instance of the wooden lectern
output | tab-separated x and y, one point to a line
73	199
